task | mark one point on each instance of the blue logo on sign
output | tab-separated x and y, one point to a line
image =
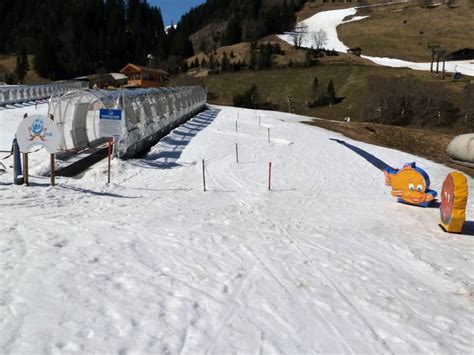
37	130
105	114
37	127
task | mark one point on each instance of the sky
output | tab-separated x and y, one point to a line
172	10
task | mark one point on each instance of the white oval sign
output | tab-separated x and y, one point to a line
37	130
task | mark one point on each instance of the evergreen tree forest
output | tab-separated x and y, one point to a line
71	38
248	20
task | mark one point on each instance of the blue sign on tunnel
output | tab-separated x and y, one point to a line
110	123
106	114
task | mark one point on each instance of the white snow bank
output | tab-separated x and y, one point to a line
329	20
465	67
327	262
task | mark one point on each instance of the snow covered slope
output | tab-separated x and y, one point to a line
329	20
327	262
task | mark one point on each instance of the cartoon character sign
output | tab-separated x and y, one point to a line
37	127
38	130
410	184
453	202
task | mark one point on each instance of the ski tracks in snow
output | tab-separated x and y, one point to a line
270	268
152	264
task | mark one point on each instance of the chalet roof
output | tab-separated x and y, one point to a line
119	76
143	69
107	77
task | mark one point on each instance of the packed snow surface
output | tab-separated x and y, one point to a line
326	262
330	20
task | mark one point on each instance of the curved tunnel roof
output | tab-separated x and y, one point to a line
77	112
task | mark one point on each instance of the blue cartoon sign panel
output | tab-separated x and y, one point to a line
37	130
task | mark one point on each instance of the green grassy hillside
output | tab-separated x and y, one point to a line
403	31
351	83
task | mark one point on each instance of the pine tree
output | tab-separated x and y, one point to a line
233	32
253	60
202	46
184	66
19	75
24	60
315	89
22	65
249	99
277	49
269	55
308	58
331	93
212	64
254	96
225	63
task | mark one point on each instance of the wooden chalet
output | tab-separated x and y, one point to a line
356	51
144	77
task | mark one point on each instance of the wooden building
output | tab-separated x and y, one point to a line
144	77
356	51
104	81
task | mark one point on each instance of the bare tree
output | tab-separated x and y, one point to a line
320	38
299	34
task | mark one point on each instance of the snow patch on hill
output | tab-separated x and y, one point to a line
330	20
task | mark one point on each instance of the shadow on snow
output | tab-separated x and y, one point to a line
379	164
167	152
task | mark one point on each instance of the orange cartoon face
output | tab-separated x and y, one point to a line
410	185
447	199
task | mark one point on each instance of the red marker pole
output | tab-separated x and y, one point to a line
237	152
270	176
